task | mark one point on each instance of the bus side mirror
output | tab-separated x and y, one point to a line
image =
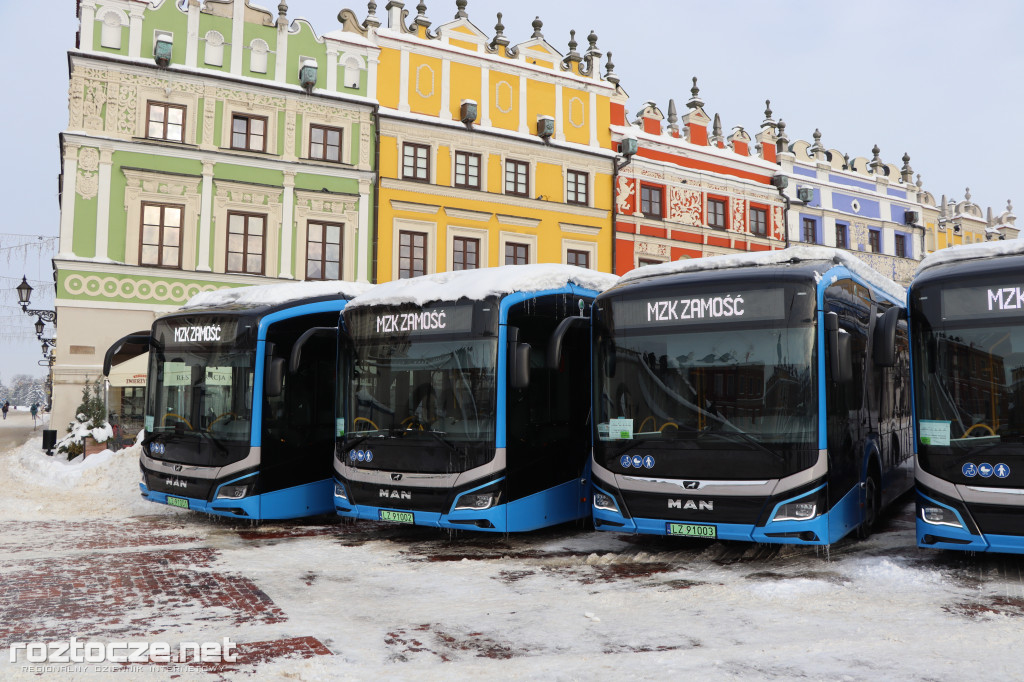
274	382
296	357
518	360
884	348
554	359
839	350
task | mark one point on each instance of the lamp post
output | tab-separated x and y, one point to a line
24	294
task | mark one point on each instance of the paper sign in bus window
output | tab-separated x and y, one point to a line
620	429
934	432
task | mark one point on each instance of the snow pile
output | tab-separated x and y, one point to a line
793	254
275	294
479	284
971	252
100	434
43	487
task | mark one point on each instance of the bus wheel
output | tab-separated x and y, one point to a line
871	505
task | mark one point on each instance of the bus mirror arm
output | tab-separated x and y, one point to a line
296	357
518	360
275	378
554	359
143	339
884	343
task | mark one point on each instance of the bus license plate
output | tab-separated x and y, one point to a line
177	502
396	516
693	530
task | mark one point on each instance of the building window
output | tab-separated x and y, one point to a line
576	188
874	241
465	253
759	222
810	231
325	143
716	213
650	201
467	170
900	245
517	254
517	178
161	235
323	250
412	254
842	236
416	162
249	132
647	261
165	122
579	258
246	234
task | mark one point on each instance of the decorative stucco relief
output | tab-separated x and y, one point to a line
684	205
88	182
624	195
739	215
777	225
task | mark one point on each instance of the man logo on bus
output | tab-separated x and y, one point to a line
395	494
698	505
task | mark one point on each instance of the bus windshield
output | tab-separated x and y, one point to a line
722	386
970	387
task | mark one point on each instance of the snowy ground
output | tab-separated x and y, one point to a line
82	554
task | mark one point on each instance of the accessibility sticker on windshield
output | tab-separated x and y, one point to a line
934	432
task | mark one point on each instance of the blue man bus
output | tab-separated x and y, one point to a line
465	400
230	429
967	337
758	397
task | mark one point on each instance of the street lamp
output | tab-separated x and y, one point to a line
24	291
24	295
39	327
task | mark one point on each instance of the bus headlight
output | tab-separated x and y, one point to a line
796	511
605	502
478	501
939	516
339	491
233	492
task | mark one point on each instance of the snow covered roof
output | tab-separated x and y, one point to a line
971	252
793	254
275	294
479	284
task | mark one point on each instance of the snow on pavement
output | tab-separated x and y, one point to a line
358	601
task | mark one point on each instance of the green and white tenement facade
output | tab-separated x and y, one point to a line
209	145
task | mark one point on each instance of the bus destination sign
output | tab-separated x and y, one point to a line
705	308
422	321
974	302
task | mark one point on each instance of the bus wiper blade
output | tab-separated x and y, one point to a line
439	437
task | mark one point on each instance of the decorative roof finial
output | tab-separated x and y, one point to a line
573	55
695	101
876	165
906	173
592	41
768	122
537	26
1009	206
421	15
499	34
371	15
461	6
672	116
282	13
967	195
920	185
781	142
610	74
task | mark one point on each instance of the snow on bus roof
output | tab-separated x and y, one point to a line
484	282
275	294
792	254
971	252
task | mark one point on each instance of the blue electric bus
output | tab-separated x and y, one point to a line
760	397
967	337
230	428
464	401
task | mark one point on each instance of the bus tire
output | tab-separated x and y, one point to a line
872	499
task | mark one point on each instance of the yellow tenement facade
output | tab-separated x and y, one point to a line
490	154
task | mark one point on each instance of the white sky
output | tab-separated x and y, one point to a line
938	79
